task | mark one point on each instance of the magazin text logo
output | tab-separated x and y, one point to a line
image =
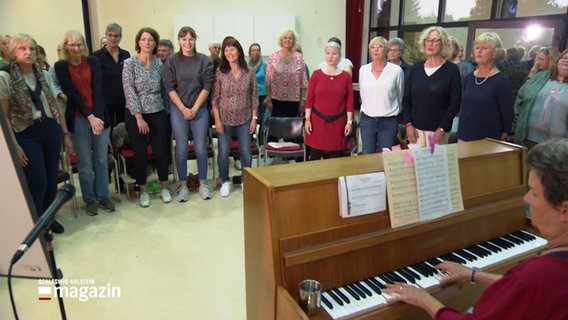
81	289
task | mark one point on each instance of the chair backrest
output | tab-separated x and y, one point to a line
285	128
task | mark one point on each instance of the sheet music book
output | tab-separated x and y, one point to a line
362	194
285	144
422	185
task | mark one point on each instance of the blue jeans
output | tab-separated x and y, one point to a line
377	132
41	143
92	162
243	137
198	126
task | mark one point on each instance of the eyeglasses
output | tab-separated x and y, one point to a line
75	45
432	41
377	47
110	35
394	50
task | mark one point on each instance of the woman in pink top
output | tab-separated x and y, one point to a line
286	81
235	105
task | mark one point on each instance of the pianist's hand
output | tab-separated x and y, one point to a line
412	295
453	272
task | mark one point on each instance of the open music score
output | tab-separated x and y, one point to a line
422	185
362	194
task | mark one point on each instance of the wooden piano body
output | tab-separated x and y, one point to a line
293	230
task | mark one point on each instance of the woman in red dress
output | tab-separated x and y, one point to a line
329	107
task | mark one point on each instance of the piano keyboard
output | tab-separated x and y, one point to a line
359	296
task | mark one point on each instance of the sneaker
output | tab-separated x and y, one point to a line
183	194
238	165
92	208
166	195
107	205
225	189
204	192
56	227
144	201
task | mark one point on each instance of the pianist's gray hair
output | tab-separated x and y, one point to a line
550	162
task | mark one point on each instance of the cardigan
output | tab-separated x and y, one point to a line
74	101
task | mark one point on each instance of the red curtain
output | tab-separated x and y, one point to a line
354	33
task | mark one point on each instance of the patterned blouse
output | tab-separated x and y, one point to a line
142	87
286	78
236	98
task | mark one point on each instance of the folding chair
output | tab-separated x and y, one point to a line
352	141
286	129
65	175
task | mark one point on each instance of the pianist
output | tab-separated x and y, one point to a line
536	288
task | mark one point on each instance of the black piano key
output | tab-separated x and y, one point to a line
335	297
360	292
386	278
466	255
341	295
412	273
432	271
377	283
351	292
371	285
524	235
434	262
490	247
396	277
513	239
406	275
326	302
452	257
363	288
422	269
501	243
478	250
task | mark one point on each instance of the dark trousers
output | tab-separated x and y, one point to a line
116	114
159	140
41	143
316	154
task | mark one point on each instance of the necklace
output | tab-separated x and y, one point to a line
562	245
485	79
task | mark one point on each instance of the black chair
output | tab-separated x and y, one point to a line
285	129
352	141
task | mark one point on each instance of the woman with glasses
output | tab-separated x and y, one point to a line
533	289
545	60
542	105
188	79
432	96
34	120
80	79
487	105
381	88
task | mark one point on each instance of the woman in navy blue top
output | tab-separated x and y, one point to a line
487	104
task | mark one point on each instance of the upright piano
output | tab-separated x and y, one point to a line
293	231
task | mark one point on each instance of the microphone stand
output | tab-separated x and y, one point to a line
57	274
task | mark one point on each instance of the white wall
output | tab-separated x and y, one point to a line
48	20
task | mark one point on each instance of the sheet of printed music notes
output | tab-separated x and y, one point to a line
422	185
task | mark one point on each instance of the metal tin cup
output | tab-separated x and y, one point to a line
310	296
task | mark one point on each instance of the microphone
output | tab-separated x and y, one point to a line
63	195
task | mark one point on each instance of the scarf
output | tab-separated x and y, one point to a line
255	66
21	101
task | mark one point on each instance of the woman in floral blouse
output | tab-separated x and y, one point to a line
146	115
286	81
235	105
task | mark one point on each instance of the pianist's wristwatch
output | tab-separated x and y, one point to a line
474	270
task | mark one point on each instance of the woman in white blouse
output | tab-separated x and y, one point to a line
381	88
146	115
